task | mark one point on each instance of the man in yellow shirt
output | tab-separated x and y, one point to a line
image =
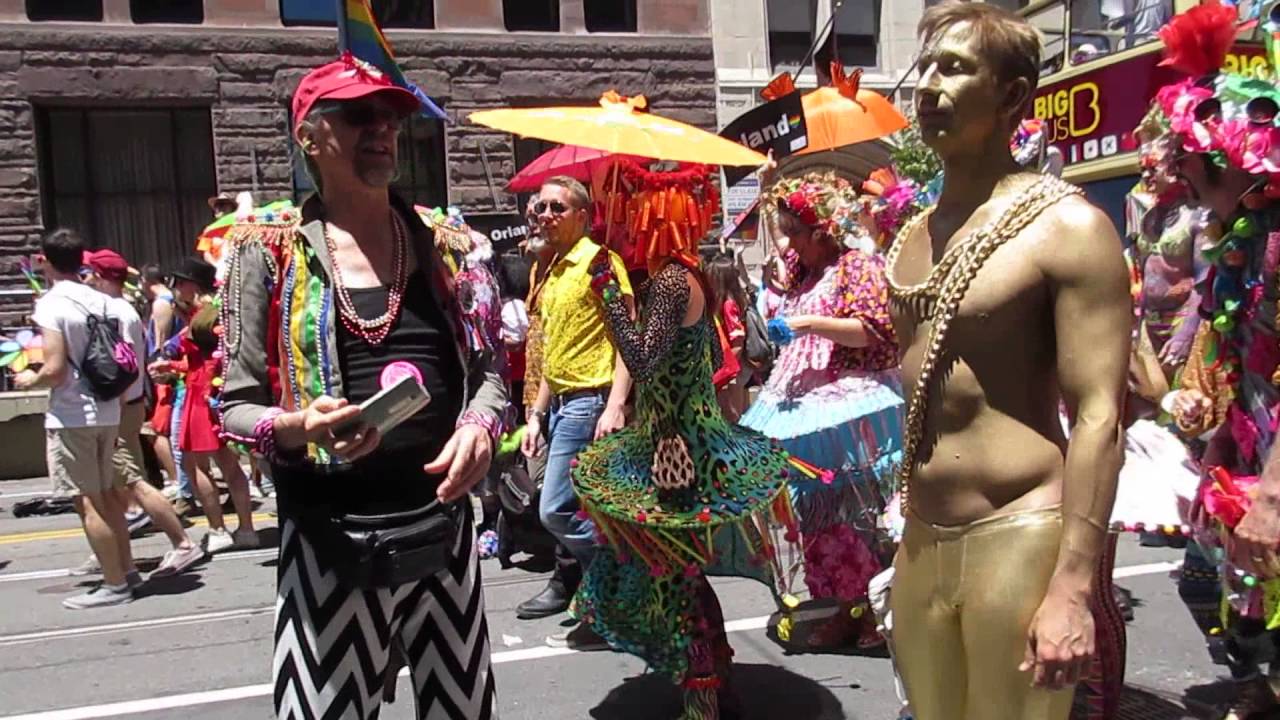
584	383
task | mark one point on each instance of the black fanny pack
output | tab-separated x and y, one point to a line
372	551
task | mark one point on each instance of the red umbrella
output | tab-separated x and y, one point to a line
576	162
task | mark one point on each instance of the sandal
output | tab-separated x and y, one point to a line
844	630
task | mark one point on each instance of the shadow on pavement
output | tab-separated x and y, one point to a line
268	537
765	692
1211	700
173	585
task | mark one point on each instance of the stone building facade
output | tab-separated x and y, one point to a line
89	111
755	40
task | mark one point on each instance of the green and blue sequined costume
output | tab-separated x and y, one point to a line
678	495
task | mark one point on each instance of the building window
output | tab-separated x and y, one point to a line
418	14
531	15
610	15
526	151
79	10
167	11
421	177
791	28
858	35
137	181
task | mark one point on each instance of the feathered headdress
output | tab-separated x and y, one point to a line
1231	118
893	200
1196	42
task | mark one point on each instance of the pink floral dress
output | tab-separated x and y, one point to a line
838	408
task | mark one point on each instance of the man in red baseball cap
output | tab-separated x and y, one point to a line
348	115
107	264
109	273
375	309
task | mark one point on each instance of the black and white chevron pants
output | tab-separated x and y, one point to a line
333	644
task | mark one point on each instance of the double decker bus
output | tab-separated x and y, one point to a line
1101	70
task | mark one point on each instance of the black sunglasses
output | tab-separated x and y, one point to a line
556	206
362	114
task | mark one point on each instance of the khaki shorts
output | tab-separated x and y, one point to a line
127	457
80	460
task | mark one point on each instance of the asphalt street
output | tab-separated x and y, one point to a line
197	646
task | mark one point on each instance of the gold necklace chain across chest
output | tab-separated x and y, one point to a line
928	291
373	331
945	288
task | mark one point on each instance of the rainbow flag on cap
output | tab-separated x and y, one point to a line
359	34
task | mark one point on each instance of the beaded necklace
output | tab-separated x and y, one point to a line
946	287
373	331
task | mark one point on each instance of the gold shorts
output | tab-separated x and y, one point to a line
962	600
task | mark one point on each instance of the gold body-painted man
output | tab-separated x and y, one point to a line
1010	298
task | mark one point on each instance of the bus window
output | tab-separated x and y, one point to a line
1051	21
1112	25
1094	28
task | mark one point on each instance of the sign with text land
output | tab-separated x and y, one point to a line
777	125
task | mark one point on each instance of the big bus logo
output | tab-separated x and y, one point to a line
1070	112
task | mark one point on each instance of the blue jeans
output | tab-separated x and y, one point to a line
175	434
572	428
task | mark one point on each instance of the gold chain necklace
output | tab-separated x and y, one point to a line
950	288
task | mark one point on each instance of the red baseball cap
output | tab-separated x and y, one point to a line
107	263
347	78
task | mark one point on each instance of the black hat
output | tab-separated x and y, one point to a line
197	271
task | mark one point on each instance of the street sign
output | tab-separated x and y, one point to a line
739	208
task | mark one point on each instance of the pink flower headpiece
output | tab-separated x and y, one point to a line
823	201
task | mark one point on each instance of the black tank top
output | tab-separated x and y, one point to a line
391	478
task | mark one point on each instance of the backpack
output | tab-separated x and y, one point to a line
109	363
759	350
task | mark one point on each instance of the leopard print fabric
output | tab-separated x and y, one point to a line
664	300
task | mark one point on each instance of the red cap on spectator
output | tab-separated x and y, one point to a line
108	264
346	78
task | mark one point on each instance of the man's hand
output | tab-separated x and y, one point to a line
26	379
466	460
1060	641
1253	545
320	422
531	444
611	420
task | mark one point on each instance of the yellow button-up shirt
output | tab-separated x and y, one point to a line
577	352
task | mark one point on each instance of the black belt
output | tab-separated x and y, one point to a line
565	397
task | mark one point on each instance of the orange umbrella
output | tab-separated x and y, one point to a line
617	126
841	114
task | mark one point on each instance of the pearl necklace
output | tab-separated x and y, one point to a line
373	331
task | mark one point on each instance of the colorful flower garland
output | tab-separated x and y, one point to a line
822	201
